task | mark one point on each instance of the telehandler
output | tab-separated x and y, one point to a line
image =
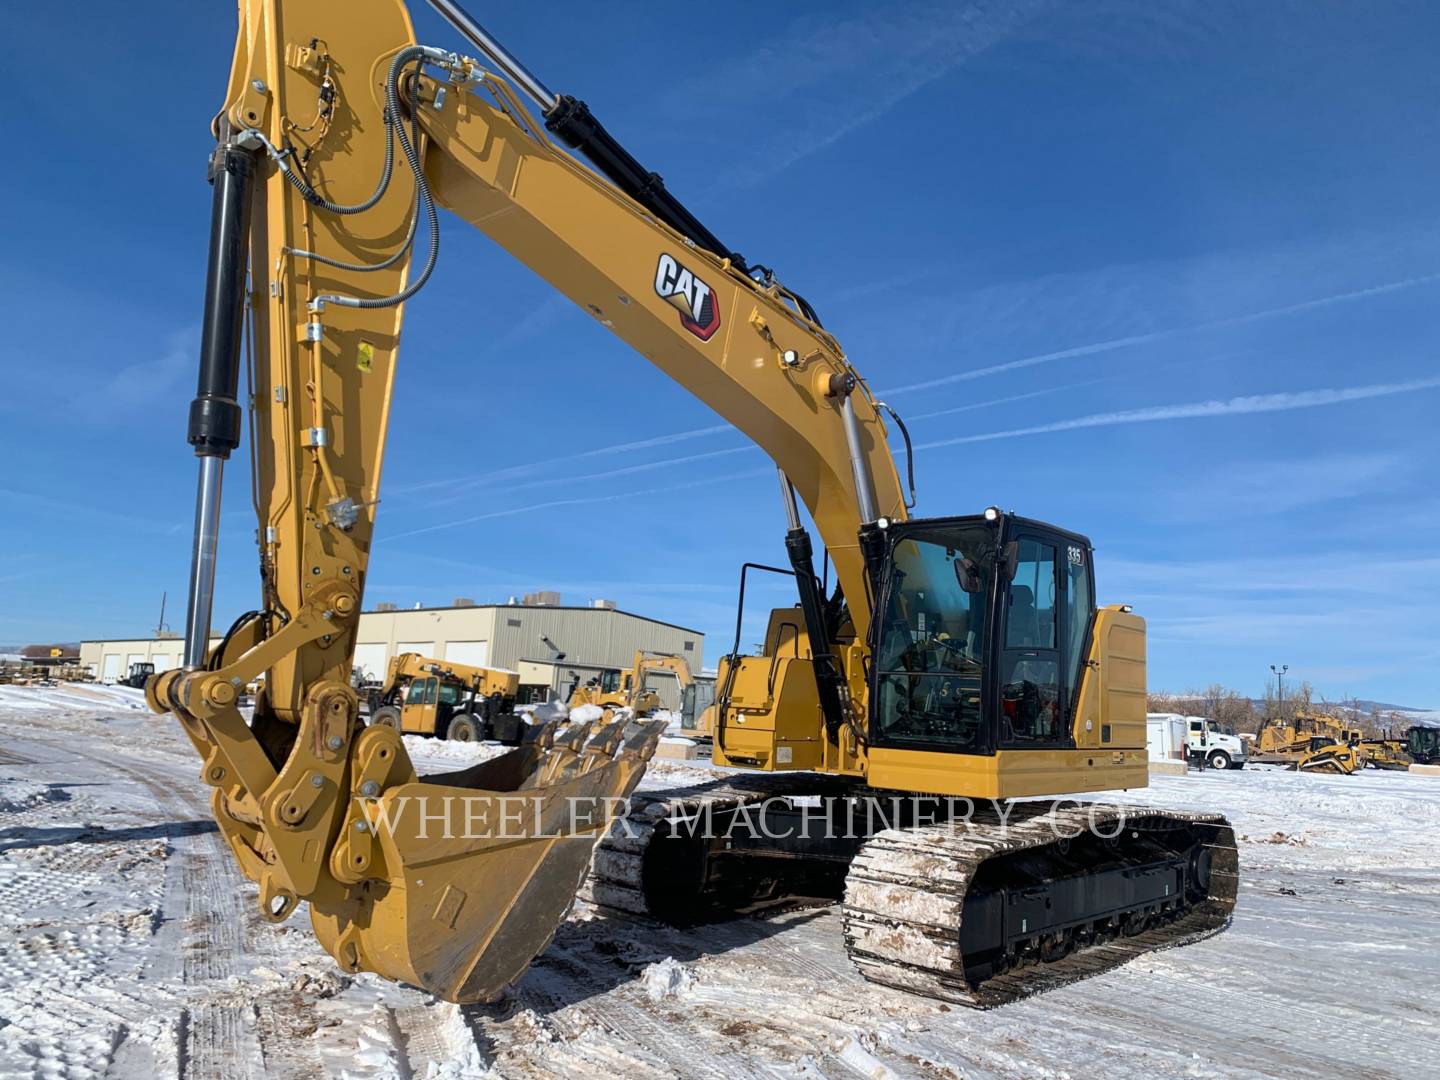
453	701
960	659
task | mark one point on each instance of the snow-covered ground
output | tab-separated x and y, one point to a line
129	946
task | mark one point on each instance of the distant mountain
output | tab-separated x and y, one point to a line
1411	713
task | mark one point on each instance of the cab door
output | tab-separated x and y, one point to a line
418	715
1045	623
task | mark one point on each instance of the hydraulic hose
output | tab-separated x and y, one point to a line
394	130
422	189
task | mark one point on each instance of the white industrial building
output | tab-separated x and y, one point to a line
550	644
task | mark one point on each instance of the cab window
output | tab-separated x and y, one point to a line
1032	705
1080	607
449	694
930	666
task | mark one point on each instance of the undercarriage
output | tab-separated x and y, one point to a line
974	903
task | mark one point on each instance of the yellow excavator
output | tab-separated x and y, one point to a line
421	696
629	688
958	663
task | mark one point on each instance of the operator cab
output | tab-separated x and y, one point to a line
982	626
607	681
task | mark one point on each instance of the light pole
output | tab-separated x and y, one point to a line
1280	688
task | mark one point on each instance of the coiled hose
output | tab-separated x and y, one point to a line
394	130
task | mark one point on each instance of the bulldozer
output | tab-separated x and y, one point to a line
447	700
628	688
906	742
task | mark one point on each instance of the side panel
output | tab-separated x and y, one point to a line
1119	650
773	721
1009	774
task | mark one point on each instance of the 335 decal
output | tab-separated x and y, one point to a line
699	313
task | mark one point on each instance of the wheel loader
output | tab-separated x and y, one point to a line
877	745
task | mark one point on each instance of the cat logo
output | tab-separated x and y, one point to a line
695	300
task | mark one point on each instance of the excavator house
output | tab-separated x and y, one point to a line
952	664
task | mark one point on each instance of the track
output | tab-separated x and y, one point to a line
905	901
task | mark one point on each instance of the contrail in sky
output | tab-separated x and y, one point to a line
1237	406
583	501
1163	335
1091	349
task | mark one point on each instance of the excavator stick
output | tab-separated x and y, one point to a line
452	883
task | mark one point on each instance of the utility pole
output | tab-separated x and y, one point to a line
160	627
1280	689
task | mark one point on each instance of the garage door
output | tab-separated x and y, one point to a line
132	659
111	669
372	659
424	648
474	653
162	661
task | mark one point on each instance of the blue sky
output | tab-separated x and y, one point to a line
1167	274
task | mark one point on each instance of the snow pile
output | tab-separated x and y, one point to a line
667	979
586	714
462	1057
853	1053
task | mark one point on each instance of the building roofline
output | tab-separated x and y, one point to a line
455	607
539	607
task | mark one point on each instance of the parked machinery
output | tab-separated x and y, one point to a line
140	672
1299	746
630	688
453	701
1422	744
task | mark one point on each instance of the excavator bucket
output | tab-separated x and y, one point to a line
455	882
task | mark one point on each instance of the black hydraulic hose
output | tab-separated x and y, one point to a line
422	192
365	268
909	453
